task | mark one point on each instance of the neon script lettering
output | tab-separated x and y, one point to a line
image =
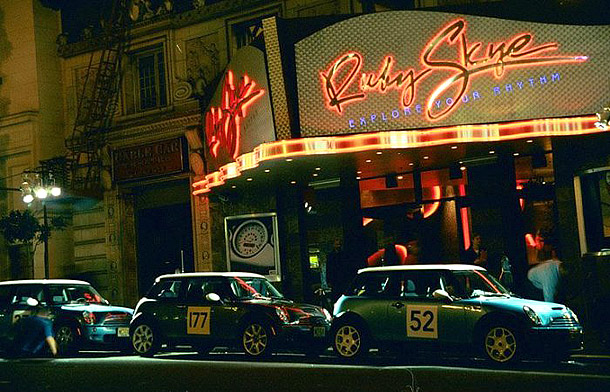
341	86
223	124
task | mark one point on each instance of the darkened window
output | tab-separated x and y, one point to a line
5	295
372	285
151	80
24	292
165	289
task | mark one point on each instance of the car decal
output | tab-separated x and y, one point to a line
198	320
422	321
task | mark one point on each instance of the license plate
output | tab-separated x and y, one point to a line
122	332
319	332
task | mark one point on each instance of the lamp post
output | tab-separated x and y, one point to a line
40	187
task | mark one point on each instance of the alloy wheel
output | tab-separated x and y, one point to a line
143	339
255	339
500	344
65	338
348	341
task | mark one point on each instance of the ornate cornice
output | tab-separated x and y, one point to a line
162	129
164	22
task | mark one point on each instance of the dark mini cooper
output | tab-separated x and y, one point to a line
231	309
81	317
445	307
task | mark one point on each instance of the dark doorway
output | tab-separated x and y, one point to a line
165	242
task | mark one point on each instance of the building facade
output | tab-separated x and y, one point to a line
252	135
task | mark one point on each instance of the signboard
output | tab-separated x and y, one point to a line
239	117
418	69
149	160
252	244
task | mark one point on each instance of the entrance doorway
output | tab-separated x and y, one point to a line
165	242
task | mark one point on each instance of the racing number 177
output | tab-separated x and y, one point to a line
198	320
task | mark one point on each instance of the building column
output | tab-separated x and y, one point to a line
202	237
496	214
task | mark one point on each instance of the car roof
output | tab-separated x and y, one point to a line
210	274
44	281
424	267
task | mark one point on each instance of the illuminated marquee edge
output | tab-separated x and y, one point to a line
396	139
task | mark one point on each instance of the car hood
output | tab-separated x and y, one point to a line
298	310
95	308
547	311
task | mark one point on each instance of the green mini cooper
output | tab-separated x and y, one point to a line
449	306
230	309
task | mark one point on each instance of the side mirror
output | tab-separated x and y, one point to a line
442	294
213	297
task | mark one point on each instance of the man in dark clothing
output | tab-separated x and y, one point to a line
33	333
336	270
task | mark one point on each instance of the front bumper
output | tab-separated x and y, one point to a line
298	335
555	340
110	336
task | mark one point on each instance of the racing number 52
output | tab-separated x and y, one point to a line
422	321
416	317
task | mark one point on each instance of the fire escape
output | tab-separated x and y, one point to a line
87	157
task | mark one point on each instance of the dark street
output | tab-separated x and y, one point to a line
186	371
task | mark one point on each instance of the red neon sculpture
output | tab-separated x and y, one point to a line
223	124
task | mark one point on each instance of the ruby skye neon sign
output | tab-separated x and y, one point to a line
223	123
344	83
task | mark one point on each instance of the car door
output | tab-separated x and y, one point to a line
167	305
415	315
206	320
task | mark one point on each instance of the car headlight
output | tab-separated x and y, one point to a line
572	314
327	314
532	315
282	314
88	317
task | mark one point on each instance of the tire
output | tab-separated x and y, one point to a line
145	339
502	344
350	340
256	339
67	339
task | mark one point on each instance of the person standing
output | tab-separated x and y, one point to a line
476	254
336	269
34	333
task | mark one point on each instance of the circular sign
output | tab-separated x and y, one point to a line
249	239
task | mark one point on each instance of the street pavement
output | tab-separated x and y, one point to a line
186	372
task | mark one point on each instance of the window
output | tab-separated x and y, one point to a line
24	292
371	285
5	295
165	289
151	80
145	81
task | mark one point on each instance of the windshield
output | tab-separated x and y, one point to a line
249	288
75	294
474	283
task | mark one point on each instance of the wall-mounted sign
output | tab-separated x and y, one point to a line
239	117
149	160
428	69
223	123
252	244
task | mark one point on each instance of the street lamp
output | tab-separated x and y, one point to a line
39	185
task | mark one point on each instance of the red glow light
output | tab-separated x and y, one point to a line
223	124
